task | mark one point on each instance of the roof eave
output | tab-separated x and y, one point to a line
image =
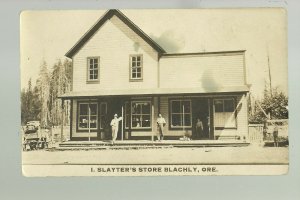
101	21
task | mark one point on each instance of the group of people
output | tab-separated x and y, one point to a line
161	123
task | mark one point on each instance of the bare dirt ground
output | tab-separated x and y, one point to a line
252	154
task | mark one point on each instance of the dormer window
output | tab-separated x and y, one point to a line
93	69
136	67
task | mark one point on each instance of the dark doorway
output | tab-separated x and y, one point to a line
201	112
115	107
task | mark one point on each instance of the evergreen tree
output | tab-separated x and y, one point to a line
43	91
274	104
41	102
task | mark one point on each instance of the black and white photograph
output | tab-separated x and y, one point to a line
154	92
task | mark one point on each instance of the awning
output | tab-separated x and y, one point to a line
155	92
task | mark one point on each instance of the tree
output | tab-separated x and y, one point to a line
42	102
30	104
274	104
43	91
60	83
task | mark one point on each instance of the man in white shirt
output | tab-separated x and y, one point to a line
115	127
161	122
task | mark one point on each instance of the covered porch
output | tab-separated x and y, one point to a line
91	113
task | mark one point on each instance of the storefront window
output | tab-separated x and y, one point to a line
88	116
140	114
181	115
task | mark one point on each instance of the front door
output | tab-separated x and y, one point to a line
200	119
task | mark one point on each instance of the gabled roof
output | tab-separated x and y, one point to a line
109	14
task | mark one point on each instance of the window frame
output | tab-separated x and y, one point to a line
79	129
100	114
127	106
130	67
223	100
171	127
88	80
234	101
150	114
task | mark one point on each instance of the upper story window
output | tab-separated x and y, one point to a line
93	69
136	67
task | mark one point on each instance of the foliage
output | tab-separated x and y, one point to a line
273	103
42	85
30	104
42	102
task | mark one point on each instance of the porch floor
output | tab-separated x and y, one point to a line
125	144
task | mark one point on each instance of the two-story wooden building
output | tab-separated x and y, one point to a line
117	68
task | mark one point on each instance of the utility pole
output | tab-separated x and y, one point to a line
270	78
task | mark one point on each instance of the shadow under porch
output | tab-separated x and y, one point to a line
139	117
140	114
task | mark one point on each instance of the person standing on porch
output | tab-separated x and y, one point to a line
199	128
115	127
161	122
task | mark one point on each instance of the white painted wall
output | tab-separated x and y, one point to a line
241	120
114	42
202	71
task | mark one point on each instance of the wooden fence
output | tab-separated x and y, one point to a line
255	133
56	131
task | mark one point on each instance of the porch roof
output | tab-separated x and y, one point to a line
155	92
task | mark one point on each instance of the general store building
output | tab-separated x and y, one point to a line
117	68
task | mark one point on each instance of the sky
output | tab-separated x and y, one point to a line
48	35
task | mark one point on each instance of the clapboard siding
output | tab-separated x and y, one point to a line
243	117
241	120
114	42
204	71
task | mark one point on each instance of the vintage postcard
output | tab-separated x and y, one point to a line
154	92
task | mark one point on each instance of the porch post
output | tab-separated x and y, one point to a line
183	121
89	119
153	122
62	121
122	130
211	119
98	120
